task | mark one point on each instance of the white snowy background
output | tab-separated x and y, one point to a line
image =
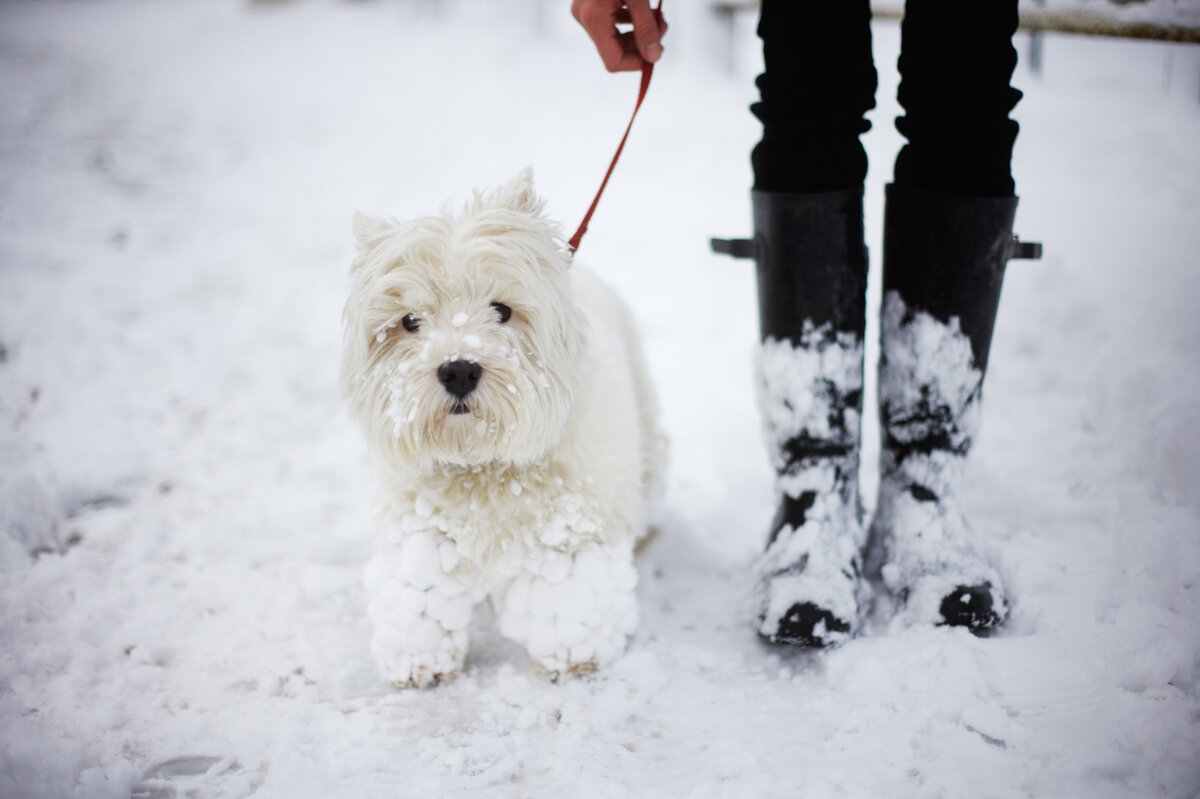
176	185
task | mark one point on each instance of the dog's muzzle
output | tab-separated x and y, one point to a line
459	378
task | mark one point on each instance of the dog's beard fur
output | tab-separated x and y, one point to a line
445	274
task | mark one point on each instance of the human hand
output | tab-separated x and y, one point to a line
622	51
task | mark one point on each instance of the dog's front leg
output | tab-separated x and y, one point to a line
573	612
420	609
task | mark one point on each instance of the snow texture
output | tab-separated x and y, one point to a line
803	389
806	392
929	389
176	183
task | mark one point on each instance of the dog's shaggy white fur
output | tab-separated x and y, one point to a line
504	398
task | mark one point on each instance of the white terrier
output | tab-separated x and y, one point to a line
505	400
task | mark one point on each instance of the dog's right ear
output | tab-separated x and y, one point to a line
368	231
520	195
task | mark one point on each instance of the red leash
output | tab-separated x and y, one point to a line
647	71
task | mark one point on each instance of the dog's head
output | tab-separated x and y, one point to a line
462	335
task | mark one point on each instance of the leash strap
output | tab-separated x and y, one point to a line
647	71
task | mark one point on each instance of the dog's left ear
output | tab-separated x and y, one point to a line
519	194
368	230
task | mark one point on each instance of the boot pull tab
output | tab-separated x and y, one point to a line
736	248
744	248
1025	250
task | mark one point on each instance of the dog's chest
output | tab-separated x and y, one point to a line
495	514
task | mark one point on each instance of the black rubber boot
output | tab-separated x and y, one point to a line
812	274
944	260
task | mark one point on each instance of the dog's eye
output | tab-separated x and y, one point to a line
504	311
410	323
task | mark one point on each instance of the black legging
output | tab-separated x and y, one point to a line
956	61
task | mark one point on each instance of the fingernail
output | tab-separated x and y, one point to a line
654	52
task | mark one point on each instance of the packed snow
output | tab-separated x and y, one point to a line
177	184
929	387
807	390
803	385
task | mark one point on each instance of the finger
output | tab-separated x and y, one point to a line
623	18
622	55
646	31
631	58
599	21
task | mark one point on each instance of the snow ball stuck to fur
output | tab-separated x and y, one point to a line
459	320
450	556
420	559
576	611
556	567
411	523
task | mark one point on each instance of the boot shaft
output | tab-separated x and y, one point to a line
811	263
945	255
944	261
811	267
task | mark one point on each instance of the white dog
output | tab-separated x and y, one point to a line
504	398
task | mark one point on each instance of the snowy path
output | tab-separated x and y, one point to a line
176	184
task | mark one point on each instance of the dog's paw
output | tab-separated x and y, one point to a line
576	670
423	677
418	653
575	613
404	667
419	612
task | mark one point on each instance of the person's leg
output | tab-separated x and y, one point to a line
947	237
956	64
817	85
811	259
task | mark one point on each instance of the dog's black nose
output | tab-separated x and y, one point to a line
459	377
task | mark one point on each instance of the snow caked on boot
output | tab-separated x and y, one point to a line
812	272
944	259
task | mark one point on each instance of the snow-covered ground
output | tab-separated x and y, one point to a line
176	186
